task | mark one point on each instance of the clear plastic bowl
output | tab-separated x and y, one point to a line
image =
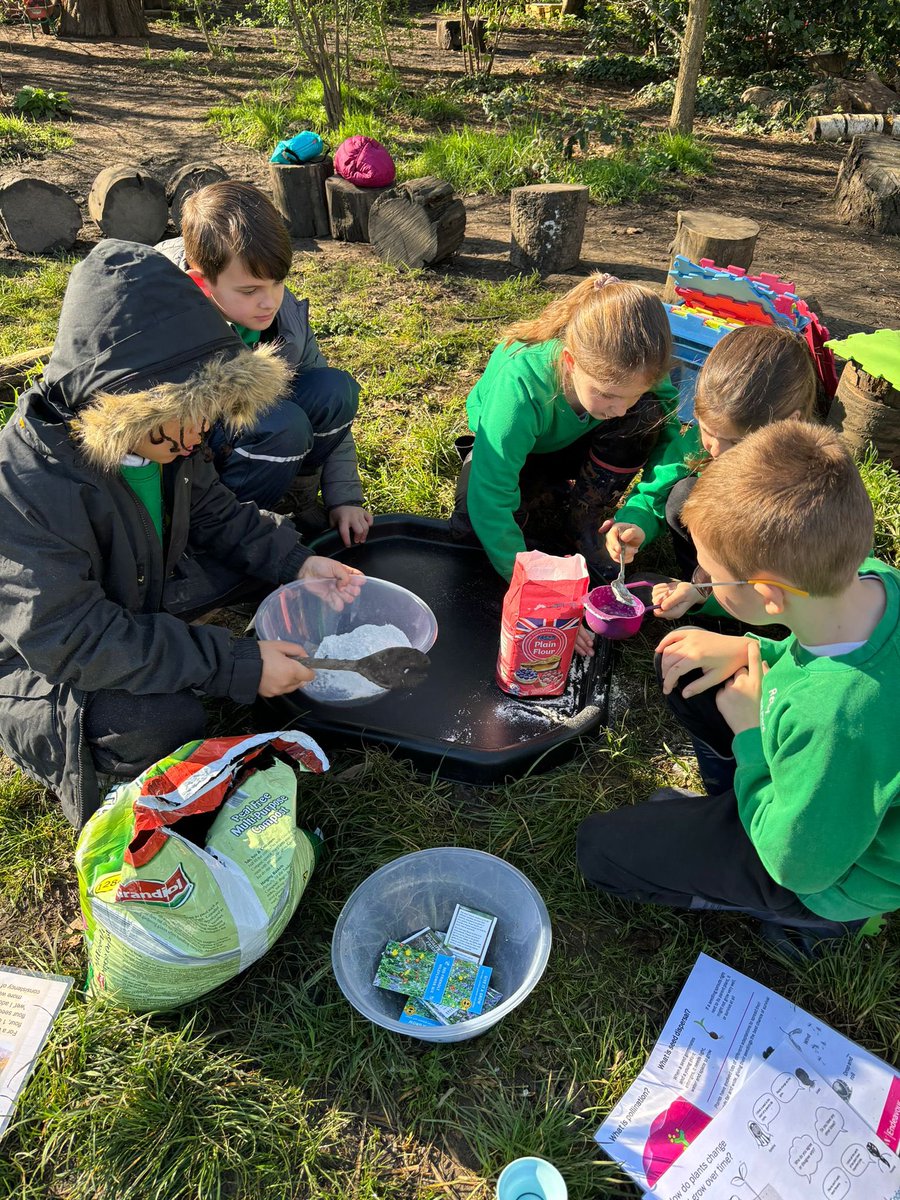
421	890
308	610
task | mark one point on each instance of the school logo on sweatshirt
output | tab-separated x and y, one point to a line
768	702
171	892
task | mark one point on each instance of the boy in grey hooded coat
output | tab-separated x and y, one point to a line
97	673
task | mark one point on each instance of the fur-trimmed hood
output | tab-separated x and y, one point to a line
139	345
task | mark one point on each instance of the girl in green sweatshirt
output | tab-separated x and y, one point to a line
753	376
570	407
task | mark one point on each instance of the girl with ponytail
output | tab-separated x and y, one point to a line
570	407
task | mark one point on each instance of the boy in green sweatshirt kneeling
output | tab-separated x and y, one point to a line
796	740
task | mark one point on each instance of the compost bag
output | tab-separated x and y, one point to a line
189	873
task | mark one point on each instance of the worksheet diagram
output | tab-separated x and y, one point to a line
722	1026
785	1134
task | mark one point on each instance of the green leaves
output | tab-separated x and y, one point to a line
37	102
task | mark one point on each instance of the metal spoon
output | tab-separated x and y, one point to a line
396	667
620	591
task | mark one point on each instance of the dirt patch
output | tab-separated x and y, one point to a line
133	104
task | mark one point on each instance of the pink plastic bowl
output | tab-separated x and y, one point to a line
609	617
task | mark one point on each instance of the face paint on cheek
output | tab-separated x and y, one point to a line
159	437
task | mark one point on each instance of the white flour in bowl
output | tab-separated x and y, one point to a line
348	685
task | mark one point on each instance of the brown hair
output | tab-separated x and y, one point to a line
229	220
787	500
756	375
611	329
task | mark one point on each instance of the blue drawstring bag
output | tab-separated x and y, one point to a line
304	147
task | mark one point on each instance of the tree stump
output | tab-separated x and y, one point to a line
418	223
37	216
299	195
349	207
127	203
867	410
867	191
187	179
546	226
449	34
701	233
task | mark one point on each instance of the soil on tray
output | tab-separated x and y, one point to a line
144	102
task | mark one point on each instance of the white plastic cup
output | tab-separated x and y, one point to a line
531	1179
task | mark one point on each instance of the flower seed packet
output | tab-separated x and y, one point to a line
415	1013
439	978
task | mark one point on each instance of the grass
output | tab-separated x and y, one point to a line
273	1088
21	137
31	292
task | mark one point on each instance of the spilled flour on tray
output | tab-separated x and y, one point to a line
359	642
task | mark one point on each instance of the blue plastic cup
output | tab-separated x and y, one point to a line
531	1179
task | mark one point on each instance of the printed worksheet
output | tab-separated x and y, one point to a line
29	1004
722	1027
784	1134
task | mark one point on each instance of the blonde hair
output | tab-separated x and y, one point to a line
611	329
756	375
788	500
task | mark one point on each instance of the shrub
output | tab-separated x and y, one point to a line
624	68
719	100
38	102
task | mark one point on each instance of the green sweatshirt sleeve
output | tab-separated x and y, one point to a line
646	504
507	433
802	807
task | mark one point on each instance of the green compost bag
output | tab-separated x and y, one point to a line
188	874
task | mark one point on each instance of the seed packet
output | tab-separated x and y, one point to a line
415	1012
439	978
436	942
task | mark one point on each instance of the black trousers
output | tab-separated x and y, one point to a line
129	733
686	850
568	493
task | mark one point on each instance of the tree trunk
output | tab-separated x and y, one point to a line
299	195
572	8
418	223
103	19
867	411
703	233
682	118
546	224
867	192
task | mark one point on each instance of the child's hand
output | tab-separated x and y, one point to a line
351	522
340	583
281	673
672	600
584	641
622	539
687	649
739	699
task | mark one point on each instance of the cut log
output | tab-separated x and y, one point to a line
449	35
349	207
17	370
418	223
546	223
299	195
187	179
128	203
38	217
867	191
702	233
841	127
866	411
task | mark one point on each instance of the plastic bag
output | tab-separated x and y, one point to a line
188	874
541	617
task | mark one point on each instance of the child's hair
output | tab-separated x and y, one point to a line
611	329
787	500
229	220
756	375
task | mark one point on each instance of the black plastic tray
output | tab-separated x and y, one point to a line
458	723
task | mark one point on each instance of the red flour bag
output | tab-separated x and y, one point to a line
541	618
